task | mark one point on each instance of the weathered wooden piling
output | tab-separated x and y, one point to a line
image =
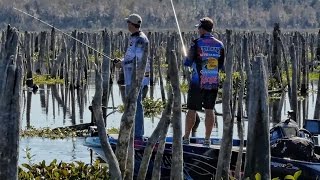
160	131
114	169
276	55
226	145
294	90
40	64
304	83
127	119
106	63
317	107
29	61
177	151
58	62
258	143
240	121
11	70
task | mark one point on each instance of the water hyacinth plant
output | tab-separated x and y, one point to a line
62	170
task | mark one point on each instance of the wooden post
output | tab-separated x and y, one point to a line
294	92
177	151
163	96
226	145
106	68
11	70
276	56
74	64
247	66
304	83
258	143
127	119
60	59
97	111
29	81
40	66
240	122
317	107
286	68
159	131
28	111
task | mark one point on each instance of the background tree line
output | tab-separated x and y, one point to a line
158	15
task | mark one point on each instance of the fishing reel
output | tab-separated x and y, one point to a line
93	131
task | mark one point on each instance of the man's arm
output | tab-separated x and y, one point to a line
221	60
192	53
141	44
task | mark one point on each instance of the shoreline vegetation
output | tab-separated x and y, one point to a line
94	14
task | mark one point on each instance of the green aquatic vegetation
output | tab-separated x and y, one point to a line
46	79
53	133
151	107
28	156
314	76
118	54
63	170
164	65
275	96
113	130
184	87
59	133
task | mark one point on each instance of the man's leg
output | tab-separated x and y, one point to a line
209	122
209	99
144	92
190	120
139	119
193	104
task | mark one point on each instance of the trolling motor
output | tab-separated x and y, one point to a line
290	116
93	130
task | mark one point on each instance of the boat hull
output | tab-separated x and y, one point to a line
200	162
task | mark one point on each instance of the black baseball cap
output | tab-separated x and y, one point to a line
206	23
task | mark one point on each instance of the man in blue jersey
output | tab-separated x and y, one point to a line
206	57
138	41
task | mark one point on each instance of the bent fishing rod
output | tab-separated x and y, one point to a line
175	16
43	22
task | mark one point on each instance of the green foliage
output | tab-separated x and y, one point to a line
121	108
59	133
46	79
91	58
294	177
118	54
113	130
314	76
62	170
53	133
28	156
151	107
164	65
184	87
275	96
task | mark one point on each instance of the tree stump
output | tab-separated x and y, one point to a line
10	106
258	143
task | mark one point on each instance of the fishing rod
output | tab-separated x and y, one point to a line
88	46
175	16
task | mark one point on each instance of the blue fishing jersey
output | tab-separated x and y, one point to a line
206	57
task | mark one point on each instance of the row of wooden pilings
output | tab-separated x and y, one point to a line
261	56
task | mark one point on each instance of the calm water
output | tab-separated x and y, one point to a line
50	107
